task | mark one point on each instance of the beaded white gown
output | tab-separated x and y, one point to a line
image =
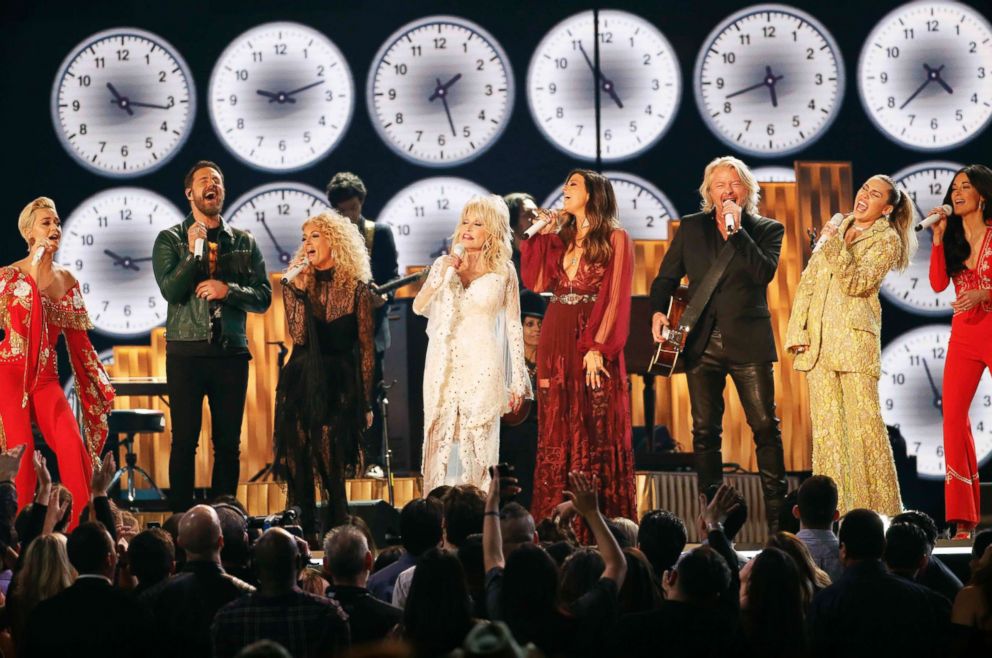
475	360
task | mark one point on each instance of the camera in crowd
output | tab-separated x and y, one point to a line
288	518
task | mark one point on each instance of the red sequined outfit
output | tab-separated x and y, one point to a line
581	429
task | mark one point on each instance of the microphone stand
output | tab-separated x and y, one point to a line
387	453
270	470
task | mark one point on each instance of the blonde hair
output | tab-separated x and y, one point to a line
25	222
351	258
750	182
46	572
901	219
495	216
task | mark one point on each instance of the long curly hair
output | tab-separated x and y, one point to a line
901	219
601	211
495	216
956	247
351	258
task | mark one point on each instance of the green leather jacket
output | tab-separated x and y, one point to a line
239	265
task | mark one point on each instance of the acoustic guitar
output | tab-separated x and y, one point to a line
513	418
665	361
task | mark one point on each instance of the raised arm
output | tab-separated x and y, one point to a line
861	277
609	323
540	260
583	496
425	296
256	296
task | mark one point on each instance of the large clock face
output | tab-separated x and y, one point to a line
910	391
644	210
774	174
638	83
769	80
123	102
925	75
275	213
107	245
926	184
424	215
281	96
440	91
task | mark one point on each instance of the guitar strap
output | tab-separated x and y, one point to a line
706	287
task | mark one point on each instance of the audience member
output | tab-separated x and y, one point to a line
171	526
816	510
68	623
580	573
625	531
787	520
306	625
420	530
235	556
438	613
151	558
868	611
661	537
386	557
184	606
640	591
934	573
44	573
812	577
470	555
560	551
517	527
772	607
972	613
347	562
312	581
982	541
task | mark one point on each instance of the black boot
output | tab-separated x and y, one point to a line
771	469
709	469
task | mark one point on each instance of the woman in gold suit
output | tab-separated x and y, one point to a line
834	335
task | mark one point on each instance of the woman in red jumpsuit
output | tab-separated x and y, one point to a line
38	302
585	260
962	252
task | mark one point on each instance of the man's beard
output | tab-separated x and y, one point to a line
202	205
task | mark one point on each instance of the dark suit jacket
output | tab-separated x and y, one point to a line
370	619
870	612
89	618
384	262
739	305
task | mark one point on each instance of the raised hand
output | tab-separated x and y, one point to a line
10	463
103	474
583	493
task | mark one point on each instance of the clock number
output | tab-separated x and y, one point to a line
320	71
795	120
399	69
75	105
986	401
86	81
480	65
392	94
891	101
958	115
152	302
440	43
933	26
561	63
466	132
768	31
443	204
809	53
729	58
915	360
633	126
489	90
127	310
720	83
164	127
649	219
100	62
883	77
125	215
909	34
888	405
981	72
161	76
148	142
79	264
82	129
899	379
812	104
123	55
322	121
607	134
416	51
818	79
655	85
233	99
399	117
256	55
418	211
282	208
102	222
552	89
282	144
933	123
939	353
648	111
403	229
86	288
892	52
770	129
606	37
87	240
972	47
936	189
560	112
440	140
280	48
727	107
981	426
241	74
306	137
647	59
745	39
940	451
124	151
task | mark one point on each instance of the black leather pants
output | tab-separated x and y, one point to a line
707	377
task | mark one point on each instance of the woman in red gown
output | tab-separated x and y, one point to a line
962	252
585	260
38	302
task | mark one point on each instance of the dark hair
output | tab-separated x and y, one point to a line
862	535
88	547
516	523
786	519
463	513
514	202
921	520
420	525
263	649
200	164
703	575
438	611
579	574
640	591
151	555
956	247
601	211
905	547
773	620
662	537
559	550
387	556
981	577
439	491
359	523
345	548
983	540
171	526
473	564
529	596
817	501
345	185
234	529
811	578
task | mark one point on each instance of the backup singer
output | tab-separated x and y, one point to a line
834	335
211	274
586	261
38	302
324	398
734	333
475	356
962	252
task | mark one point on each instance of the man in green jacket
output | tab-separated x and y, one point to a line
211	275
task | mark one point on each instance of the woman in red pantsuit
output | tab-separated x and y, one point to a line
962	252
38	302
585	260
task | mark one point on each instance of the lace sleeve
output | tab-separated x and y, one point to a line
540	258
364	311
427	292
519	379
609	322
93	386
296	321
796	334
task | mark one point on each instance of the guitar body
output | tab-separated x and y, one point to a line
665	361
514	418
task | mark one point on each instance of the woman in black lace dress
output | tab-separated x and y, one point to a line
324	397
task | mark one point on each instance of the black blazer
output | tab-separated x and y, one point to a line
383	260
739	305
370	619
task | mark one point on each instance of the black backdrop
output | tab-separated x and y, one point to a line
36	35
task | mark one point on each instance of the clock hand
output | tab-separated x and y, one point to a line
746	89
275	97
303	88
938	401
123	261
935	75
931	76
120	101
275	242
770	80
605	82
441	91
157	107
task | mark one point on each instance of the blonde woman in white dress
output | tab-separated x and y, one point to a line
475	367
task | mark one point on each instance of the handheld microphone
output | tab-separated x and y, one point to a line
536	227
835	221
198	246
934	218
728	219
38	253
457	252
294	271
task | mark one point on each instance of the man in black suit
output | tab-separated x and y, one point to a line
734	333
91	617
870	612
347	563
346	193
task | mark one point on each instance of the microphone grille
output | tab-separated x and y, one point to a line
458	250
